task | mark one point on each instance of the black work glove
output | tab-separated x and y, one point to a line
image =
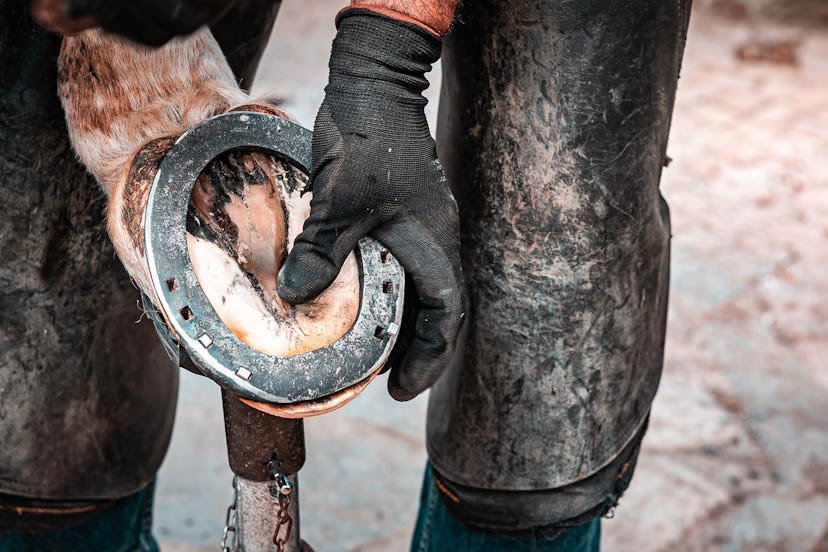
375	171
151	22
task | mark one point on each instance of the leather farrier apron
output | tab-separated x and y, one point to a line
87	395
553	128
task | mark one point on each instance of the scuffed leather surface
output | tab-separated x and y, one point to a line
553	127
87	396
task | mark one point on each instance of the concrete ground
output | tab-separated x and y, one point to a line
737	454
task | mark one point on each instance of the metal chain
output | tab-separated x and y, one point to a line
229	538
284	524
281	488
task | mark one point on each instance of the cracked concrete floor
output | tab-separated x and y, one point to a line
737	453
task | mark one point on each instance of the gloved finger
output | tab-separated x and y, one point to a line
319	251
317	257
437	279
409	320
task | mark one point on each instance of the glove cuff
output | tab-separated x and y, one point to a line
374	51
386	34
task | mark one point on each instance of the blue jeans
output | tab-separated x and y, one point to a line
438	531
126	526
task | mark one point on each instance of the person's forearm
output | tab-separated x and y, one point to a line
433	15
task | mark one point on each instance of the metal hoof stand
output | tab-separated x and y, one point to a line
265	452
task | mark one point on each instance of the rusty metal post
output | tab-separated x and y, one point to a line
258	445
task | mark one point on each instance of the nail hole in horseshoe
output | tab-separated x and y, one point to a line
186	314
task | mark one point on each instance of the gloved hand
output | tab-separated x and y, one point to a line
375	171
151	22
